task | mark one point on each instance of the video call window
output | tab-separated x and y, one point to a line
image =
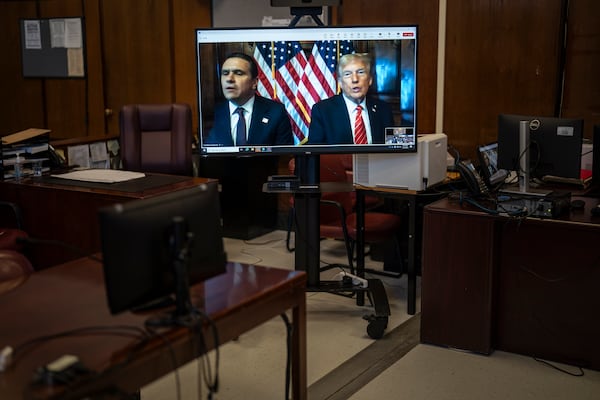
299	69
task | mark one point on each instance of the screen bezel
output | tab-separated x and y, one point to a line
306	33
135	245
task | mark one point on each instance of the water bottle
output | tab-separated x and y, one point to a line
18	168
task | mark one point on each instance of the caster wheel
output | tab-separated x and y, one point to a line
376	327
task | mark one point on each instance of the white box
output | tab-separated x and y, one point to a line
412	171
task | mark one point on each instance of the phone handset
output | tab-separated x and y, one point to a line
473	180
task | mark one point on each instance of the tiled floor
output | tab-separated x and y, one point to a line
344	363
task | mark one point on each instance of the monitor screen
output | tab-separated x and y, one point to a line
137	249
297	68
554	149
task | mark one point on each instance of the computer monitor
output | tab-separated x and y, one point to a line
297	67
155	248
554	149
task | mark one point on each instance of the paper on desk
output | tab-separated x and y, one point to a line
101	175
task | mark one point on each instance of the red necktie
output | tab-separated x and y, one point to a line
360	133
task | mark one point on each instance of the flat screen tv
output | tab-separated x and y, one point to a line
297	67
154	248
554	145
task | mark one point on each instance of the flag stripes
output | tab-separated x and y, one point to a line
288	76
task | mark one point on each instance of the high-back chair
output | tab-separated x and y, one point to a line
11	227
156	138
15	267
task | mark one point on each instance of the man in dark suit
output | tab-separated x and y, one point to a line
246	118
341	119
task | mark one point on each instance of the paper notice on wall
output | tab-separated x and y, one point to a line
99	155
79	155
33	34
66	33
75	62
73	33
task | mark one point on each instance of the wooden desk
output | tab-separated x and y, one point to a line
415	200
72	296
527	286
68	213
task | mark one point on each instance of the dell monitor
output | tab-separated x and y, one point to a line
297	68
554	145
154	248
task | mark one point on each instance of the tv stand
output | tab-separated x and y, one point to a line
307	209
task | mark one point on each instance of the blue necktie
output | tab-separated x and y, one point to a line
240	135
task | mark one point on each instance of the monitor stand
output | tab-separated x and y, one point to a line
524	188
307	253
179	244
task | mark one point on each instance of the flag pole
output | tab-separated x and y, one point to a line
337	54
273	70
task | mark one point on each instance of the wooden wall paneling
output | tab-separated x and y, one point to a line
66	107
136	47
501	57
582	80
96	120
425	14
65	98
21	103
187	16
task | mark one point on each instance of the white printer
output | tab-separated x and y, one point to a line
412	171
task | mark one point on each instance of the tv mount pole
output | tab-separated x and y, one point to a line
307	213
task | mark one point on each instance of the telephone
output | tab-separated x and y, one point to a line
472	179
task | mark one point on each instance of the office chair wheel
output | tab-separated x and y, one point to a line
376	327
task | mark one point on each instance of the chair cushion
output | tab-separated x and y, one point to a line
8	238
378	226
14	269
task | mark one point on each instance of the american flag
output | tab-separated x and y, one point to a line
281	65
288	76
319	79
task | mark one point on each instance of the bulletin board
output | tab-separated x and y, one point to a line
53	47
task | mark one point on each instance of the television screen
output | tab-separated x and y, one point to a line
298	69
138	240
554	148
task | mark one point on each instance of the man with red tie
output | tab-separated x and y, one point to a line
351	117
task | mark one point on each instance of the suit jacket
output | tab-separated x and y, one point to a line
330	122
269	125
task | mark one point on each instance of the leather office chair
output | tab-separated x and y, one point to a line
156	138
15	267
11	227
